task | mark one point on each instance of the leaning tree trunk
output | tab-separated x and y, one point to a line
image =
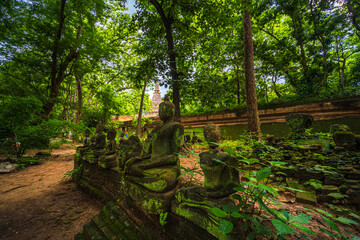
250	87
58	71
168	20
138	127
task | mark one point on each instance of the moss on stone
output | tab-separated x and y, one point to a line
157	186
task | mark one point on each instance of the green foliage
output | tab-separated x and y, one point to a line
256	203
190	171
317	184
24	162
162	218
74	173
331	225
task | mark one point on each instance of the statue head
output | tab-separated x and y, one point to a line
99	127
87	132
111	135
212	134
166	110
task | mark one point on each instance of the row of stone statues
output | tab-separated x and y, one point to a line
155	164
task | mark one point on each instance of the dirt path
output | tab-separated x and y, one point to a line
36	204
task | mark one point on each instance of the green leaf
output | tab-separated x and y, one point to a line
269	189
324	212
225	226
300	218
302	228
227	208
305	237
218	212
281	227
262	174
337	195
294	189
253	160
219	161
354	215
328	232
236	196
237	215
332	224
346	221
285	214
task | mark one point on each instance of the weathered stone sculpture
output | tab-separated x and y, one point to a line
95	151
345	140
219	179
87	143
158	169
80	151
128	149
108	160
298	122
151	179
195	203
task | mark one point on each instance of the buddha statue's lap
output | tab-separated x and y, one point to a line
157	170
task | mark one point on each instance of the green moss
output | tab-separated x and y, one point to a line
157	186
153	205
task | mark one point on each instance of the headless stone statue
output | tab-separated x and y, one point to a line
108	160
194	203
95	151
157	170
128	149
219	179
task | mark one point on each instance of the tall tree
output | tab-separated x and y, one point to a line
250	87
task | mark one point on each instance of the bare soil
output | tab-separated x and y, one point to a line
36	203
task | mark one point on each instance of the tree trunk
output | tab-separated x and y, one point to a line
79	99
250	87
138	127
172	57
58	71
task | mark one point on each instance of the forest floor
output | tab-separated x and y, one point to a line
37	203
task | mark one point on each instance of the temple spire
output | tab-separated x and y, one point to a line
156	99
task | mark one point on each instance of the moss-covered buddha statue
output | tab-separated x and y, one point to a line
109	159
95	151
128	149
194	203
219	179
157	170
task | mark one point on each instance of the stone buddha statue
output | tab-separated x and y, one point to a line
194	203
108	160
87	143
128	149
81	151
95	151
157	170
219	178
